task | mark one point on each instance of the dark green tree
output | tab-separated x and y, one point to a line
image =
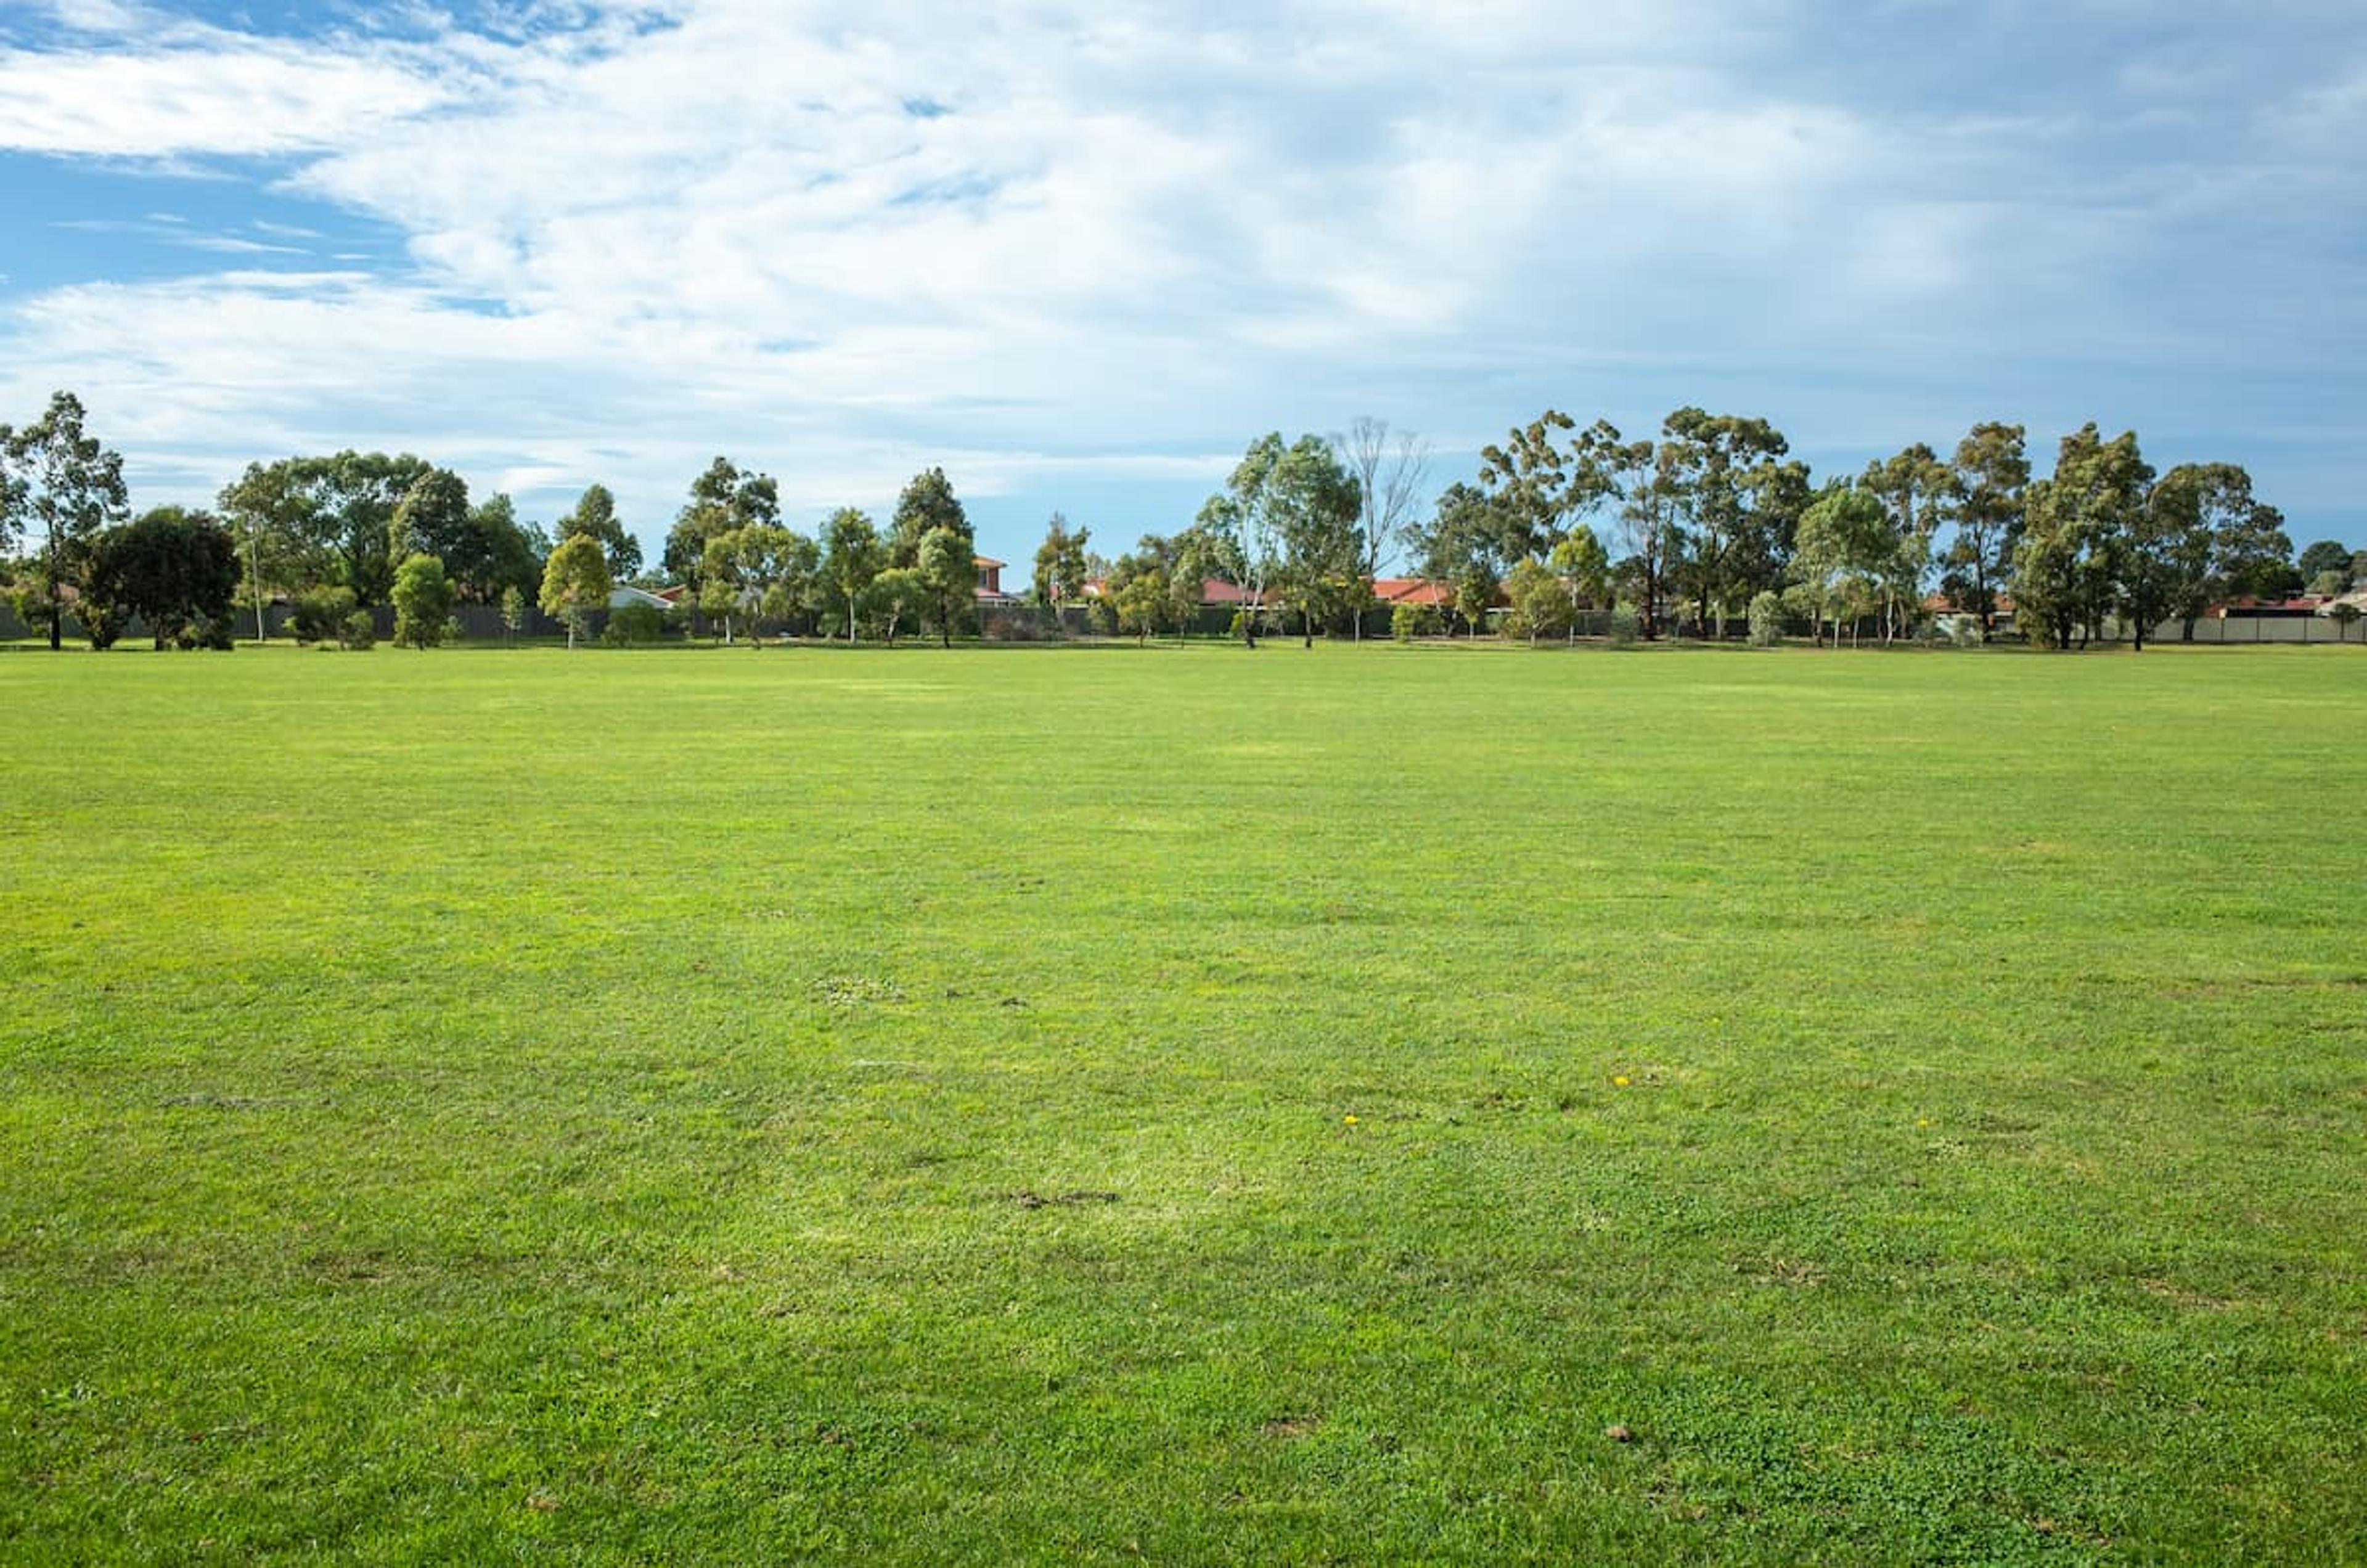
927	504
177	569
1985	502
595	517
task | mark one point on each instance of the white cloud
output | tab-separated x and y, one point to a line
842	240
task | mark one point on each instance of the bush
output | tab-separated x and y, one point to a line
1766	619
212	634
359	631
1407	622
1626	625
634	626
1965	632
319	614
102	623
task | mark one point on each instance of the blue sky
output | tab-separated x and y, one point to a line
1081	255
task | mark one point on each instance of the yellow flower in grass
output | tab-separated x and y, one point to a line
1619	1081
1350	1119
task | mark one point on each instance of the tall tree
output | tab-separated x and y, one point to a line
1464	548
1390	469
576	583
177	569
1061	571
1242	521
68	486
1532	484
2074	540
430	518
1912	488
326	520
1844	556
949	569
927	504
1712	465
1985	503
494	553
1315	503
851	556
758	572
724	499
1644	482
595	517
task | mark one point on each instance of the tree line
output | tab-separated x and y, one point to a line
1710	522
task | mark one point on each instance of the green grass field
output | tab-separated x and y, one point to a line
1366	1105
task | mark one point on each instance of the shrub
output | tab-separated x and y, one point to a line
101	622
1407	622
319	614
358	631
634	626
1626	625
1965	632
211	633
1766	619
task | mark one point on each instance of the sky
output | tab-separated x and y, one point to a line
1081	255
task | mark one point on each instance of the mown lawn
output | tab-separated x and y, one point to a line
1364	1105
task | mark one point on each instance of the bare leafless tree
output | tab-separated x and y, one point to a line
1391	474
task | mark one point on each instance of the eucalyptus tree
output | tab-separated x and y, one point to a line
68	486
1985	503
851	555
1912	488
724	499
1715	464
2076	541
595	517
324	520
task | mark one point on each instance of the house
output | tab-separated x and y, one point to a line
1415	591
990	584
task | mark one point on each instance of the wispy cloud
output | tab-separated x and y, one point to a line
1066	243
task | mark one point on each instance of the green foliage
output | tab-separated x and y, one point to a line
1766	619
357	632
315	520
513	611
1407	622
1626	625
61	484
927	504
723	500
174	568
1061	569
851	555
575	583
1540	602
634	626
894	600
2325	556
319	613
595	517
423	602
947	572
